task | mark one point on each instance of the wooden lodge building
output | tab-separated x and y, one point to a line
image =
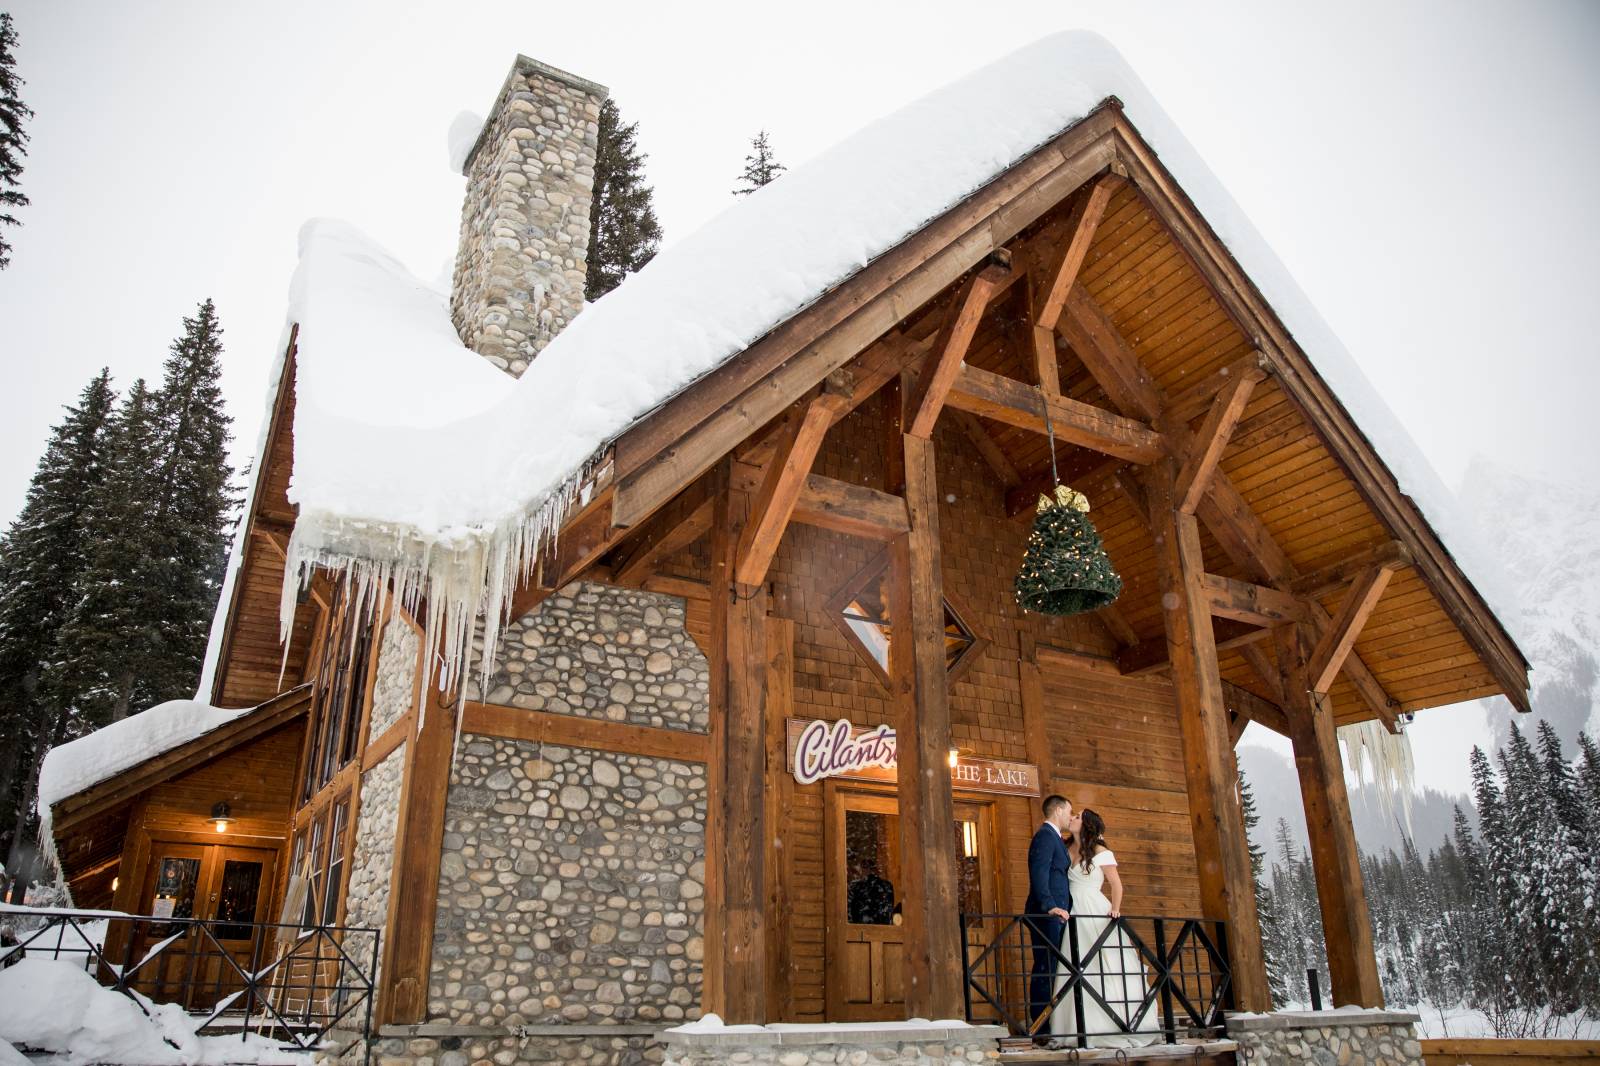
630	818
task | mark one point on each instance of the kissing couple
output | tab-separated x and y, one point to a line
1070	870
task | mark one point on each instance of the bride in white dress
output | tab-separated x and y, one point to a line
1116	971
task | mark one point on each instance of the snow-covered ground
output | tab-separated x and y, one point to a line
1439	1023
63	1017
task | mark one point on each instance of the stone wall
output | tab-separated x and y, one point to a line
602	652
571	888
394	686
523	255
367	888
395	1049
1327	1038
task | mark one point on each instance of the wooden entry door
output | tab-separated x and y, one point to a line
227	885
865	943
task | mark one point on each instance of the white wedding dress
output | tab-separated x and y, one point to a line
1116	971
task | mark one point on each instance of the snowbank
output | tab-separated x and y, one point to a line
79	764
415	461
57	1007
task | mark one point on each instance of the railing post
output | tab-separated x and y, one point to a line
372	992
1164	983
1076	979
250	982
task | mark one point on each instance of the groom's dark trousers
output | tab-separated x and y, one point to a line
1048	863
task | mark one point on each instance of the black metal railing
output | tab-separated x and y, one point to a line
286	982
1131	979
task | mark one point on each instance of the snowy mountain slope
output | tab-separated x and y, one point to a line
1547	540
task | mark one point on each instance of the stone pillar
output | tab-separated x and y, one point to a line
1327	1038
523	255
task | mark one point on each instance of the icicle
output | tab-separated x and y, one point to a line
450	583
1369	746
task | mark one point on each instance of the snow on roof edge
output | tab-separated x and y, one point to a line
455	507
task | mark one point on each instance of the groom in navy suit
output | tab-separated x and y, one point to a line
1048	896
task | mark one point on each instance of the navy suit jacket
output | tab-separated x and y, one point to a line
1048	863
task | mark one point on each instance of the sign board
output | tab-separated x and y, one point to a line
820	749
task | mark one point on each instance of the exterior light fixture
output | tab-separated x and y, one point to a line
115	881
221	815
969	839
955	758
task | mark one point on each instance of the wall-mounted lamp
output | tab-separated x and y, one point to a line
115	881
955	758
221	815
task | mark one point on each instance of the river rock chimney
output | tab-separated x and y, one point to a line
523	255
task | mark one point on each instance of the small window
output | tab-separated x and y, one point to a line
333	889
862	612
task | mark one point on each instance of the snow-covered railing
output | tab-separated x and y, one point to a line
1142	980
290	982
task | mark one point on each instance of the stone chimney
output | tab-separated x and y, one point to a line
525	223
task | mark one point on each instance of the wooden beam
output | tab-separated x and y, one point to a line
783	968
1256	604
1035	725
1116	624
1059	277
1339	638
1319	583
738	628
1151	655
852	509
1265	669
679	524
1007	400
1253	708
1227	886
666	451
1205	451
781	487
1347	927
1079	468
986	446
419	837
568	730
1189	403
917	671
924	403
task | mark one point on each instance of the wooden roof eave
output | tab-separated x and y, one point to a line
259	477
126	785
668	449
1325	413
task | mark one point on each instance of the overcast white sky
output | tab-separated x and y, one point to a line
1425	171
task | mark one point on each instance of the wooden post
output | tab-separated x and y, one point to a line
419	840
738	937
1347	928
922	724
780	793
1227	887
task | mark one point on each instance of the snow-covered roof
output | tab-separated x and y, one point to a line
416	461
83	763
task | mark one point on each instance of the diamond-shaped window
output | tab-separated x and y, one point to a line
861	611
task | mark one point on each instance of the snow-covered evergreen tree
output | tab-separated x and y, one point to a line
1266	904
13	138
760	166
41	562
114	628
623	231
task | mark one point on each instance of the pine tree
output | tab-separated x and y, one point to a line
41	560
114	631
13	138
623	231
196	503
1266	905
760	166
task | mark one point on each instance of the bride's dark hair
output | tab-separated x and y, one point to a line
1091	838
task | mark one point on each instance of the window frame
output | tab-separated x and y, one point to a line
851	590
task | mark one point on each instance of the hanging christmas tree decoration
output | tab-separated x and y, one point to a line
1065	569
